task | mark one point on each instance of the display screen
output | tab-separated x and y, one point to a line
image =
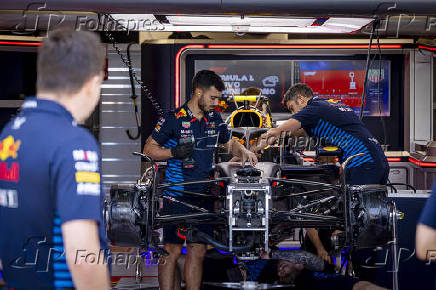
330	79
273	77
344	80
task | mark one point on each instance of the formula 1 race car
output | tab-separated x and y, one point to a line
250	118
256	207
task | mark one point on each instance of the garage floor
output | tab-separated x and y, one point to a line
130	283
123	274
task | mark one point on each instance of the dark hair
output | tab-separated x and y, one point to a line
205	79
297	89
252	91
67	60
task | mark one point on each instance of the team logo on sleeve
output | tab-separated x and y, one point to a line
181	113
86	176
82	155
339	105
159	124
87	172
9	149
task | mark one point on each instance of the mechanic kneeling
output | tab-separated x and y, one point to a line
296	269
171	141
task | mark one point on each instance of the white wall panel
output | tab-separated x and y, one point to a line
117	115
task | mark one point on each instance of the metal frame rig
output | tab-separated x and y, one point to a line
248	220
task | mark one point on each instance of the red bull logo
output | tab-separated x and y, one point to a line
9	148
10	174
181	113
333	101
222	106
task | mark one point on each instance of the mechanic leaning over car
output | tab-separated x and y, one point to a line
339	126
171	139
52	233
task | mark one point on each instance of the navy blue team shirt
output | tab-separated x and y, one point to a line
207	133
428	214
49	175
339	126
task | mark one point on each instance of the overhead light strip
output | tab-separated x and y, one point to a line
324	29
216	20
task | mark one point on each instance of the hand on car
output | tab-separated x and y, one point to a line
267	138
248	156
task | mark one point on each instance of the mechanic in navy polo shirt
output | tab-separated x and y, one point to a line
51	225
198	121
339	126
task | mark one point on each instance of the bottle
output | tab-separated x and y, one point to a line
188	162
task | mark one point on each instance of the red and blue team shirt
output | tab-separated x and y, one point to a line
207	134
339	126
49	175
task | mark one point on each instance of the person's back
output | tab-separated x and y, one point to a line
43	151
339	125
51	222
335	124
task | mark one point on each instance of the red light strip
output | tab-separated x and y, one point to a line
427	48
179	53
393	159
296	46
422	164
308	159
20	43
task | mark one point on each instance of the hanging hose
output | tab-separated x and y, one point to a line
145	90
374	26
378	91
133	97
